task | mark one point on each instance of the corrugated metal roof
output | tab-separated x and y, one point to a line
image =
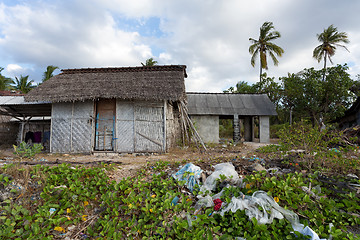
230	104
16	100
16	106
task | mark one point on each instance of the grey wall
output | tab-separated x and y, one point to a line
72	127
207	127
264	129
140	126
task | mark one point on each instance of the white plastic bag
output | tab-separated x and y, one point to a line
251	204
270	210
226	169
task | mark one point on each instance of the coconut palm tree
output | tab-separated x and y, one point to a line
263	45
330	38
49	72
23	84
149	63
5	82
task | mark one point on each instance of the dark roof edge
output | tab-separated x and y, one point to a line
226	93
127	69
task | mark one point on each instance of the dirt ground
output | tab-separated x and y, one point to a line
128	164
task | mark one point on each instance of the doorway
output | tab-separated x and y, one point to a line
105	125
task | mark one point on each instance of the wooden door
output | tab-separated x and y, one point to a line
105	125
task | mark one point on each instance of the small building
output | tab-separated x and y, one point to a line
206	109
125	109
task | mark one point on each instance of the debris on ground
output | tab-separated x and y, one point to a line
225	172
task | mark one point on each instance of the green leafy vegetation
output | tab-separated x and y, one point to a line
26	150
325	150
83	202
305	95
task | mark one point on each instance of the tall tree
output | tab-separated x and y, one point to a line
311	97
149	63
23	84
263	45
5	82
49	72
330	38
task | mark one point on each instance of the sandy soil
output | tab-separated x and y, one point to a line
128	164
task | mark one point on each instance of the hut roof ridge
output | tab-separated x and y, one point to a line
133	83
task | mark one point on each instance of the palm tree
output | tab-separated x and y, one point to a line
22	84
263	45
49	72
5	82
330	38
149	63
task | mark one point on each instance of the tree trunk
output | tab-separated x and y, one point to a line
314	120
323	79
260	71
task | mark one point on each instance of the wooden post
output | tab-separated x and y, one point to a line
164	121
22	131
196	134
71	127
236	128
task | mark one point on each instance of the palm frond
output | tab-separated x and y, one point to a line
253	47
254	56
276	62
330	39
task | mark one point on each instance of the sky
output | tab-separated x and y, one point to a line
210	37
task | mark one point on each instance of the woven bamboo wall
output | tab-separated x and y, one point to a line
72	127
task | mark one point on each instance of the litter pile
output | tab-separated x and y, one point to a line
259	205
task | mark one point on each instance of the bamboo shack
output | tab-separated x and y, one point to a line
123	109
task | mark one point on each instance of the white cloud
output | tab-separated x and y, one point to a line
55	36
210	37
14	70
165	57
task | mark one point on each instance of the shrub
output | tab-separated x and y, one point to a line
26	150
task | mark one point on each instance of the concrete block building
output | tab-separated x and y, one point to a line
206	109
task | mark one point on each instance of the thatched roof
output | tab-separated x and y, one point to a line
222	104
140	83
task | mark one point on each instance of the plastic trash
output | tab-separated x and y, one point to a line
335	150
311	193
251	206
174	202
192	177
225	169
190	219
206	201
52	210
307	232
270	211
217	204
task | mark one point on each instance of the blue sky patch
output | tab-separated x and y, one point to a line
146	27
